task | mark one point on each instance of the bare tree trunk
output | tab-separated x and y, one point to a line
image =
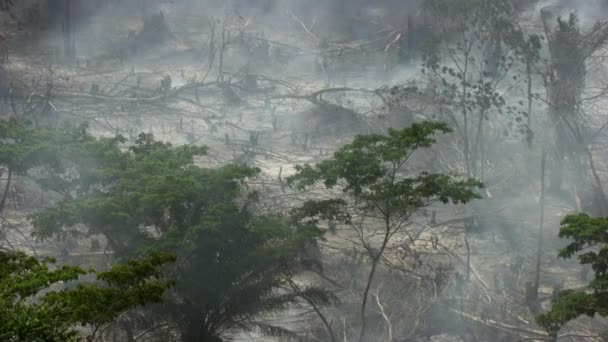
539	248
220	76
389	324
598	182
478	148
529	134
375	260
69	45
468	247
599	187
467	160
6	190
370	279
142	9
465	112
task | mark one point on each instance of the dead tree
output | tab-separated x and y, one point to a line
539	249
565	81
3	48
69	43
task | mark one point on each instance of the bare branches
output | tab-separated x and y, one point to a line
306	29
498	325
316	97
387	320
171	94
595	38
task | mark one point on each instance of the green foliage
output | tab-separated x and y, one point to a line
148	196
243	261
126	285
371	172
31	310
590	241
312	212
231	264
122	194
370	169
378	189
22	148
62	154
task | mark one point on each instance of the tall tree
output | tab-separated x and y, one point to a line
379	194
570	48
233	265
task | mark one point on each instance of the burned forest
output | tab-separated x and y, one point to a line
303	170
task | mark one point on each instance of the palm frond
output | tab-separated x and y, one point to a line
276	331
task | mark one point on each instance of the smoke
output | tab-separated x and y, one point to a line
589	11
296	47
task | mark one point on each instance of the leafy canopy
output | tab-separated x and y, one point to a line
371	170
128	196
232	263
378	189
32	309
589	237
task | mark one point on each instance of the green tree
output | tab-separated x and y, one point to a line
379	193
590	241
22	149
233	265
32	310
57	154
